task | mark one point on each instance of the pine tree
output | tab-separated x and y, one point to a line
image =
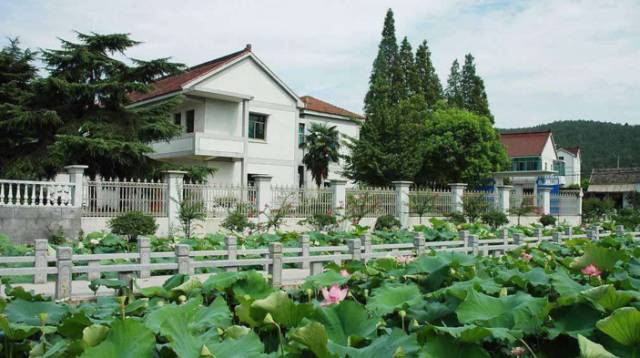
409	75
428	80
453	93
473	92
384	76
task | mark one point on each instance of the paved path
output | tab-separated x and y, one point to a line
80	289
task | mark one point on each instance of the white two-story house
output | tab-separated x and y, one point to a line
571	157
241	119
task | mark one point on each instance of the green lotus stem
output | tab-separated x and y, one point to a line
528	348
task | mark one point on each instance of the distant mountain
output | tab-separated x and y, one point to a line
601	143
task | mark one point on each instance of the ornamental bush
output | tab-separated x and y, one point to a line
547	220
387	222
494	218
133	224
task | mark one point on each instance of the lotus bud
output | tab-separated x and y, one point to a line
220	331
121	300
205	352
402	313
247	297
366	292
268	319
503	292
381	323
308	291
415	324
43	318
182	298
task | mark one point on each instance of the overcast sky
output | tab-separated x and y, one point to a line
541	60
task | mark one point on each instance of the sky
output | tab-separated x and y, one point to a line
541	60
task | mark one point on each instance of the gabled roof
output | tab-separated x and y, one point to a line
316	105
615	176
174	83
572	150
525	144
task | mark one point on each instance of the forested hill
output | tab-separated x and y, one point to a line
601	142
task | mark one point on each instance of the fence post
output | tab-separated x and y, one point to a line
76	176
366	244
517	239
418	243
474	244
402	201
504	204
545	196
264	196
305	241
457	194
175	182
580	195
355	249
464	236
231	243
183	260
317	267
64	264
93	275
568	232
504	235
620	230
275	251
539	233
144	250
557	237
40	256
595	233
339	199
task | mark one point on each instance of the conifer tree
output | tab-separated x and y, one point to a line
384	75
474	96
409	75
428	80
453	93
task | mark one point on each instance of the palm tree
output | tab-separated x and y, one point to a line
321	146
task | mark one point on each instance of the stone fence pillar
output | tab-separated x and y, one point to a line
402	201
264	197
457	195
144	250
504	198
545	200
41	250
76	176
64	264
339	200
175	183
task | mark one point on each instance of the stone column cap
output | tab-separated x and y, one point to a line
75	168
504	187
262	177
174	172
400	182
544	188
338	181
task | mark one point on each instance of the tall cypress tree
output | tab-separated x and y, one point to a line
428	80
453	93
473	92
384	76
410	84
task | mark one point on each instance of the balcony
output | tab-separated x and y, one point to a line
199	144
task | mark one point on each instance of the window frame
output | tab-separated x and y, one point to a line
190	127
251	129
177	119
302	131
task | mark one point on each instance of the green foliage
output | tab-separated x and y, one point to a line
387	222
429	82
473	206
494	218
237	221
190	212
133	224
421	205
594	209
630	218
524	209
457	218
547	220
322	221
321	146
460	147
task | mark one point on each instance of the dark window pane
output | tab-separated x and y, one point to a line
177	119
300	133
257	125
190	120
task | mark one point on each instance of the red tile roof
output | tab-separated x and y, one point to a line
174	83
524	144
573	150
314	104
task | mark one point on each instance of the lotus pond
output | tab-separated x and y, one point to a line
579	298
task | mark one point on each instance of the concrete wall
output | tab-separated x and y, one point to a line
25	224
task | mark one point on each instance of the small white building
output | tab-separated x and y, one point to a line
241	119
571	157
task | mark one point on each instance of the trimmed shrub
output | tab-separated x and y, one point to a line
457	218
547	220
494	218
237	221
322	222
387	222
133	224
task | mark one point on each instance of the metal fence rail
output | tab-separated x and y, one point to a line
114	197
302	202
371	202
519	200
488	198
219	200
430	201
185	261
565	203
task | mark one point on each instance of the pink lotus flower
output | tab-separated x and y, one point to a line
518	351
333	295
403	260
344	273
591	270
526	256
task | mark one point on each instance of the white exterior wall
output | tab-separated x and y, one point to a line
572	166
548	155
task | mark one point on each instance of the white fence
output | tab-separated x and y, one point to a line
302	202
219	200
35	193
488	200
371	202
113	197
565	203
184	261
519	200
430	202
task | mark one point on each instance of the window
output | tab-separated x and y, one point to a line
191	114
300	176
522	164
257	126
300	133
177	119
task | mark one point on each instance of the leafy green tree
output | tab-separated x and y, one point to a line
24	128
88	121
321	146
389	148
428	80
410	84
474	97
460	146
385	73
453	93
